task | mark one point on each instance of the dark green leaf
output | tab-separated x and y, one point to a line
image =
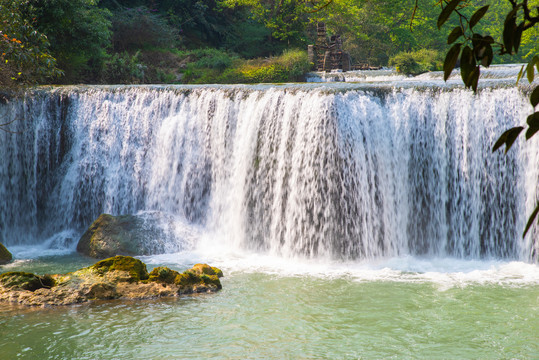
454	35
488	56
531	219
478	15
467	65
488	39
479	46
520	73
446	12
474	79
533	123
477	39
507	138
534	97
530	72
451	60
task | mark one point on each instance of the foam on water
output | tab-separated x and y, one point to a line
444	273
495	74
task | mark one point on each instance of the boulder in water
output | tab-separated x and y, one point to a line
143	234
5	255
119	277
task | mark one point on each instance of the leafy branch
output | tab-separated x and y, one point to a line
475	50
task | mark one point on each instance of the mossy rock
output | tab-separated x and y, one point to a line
5	255
25	281
187	278
134	267
132	235
200	274
211	280
201	269
117	277
108	236
163	275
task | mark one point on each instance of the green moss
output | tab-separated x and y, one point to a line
136	268
201	269
211	280
217	272
25	281
5	255
163	275
200	274
187	278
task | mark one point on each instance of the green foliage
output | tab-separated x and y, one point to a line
140	27
291	66
249	38
213	58
79	34
417	62
374	31
476	50
286	19
123	68
24	52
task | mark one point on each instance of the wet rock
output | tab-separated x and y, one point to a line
119	277
18	280
132	235
5	255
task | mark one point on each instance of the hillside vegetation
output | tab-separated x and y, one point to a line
215	41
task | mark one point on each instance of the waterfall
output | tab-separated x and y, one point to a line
345	172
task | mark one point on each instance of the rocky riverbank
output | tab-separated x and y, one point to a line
119	277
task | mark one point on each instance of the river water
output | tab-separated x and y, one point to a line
364	219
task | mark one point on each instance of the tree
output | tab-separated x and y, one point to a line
373	31
24	52
79	34
286	19
475	49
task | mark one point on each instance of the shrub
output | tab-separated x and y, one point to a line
215	66
24	57
123	69
78	32
290	66
213	59
417	62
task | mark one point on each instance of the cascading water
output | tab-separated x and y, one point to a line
314	171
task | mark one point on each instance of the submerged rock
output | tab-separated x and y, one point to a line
119	277
5	255
145	234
